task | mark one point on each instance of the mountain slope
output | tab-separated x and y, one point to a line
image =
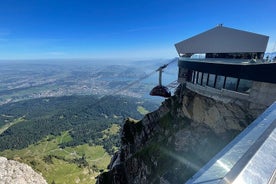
76	114
170	144
68	139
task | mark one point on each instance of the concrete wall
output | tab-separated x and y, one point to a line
263	93
260	93
221	95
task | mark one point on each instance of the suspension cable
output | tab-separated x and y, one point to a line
131	84
142	78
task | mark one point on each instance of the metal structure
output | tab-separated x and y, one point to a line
232	65
223	40
262	72
161	90
238	56
249	158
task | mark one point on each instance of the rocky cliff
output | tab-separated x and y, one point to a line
14	172
170	144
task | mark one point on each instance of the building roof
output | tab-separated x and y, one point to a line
223	40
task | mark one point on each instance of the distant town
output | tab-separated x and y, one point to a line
22	81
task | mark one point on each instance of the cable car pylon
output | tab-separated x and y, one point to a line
161	90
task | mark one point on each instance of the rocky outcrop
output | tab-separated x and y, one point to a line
170	144
13	172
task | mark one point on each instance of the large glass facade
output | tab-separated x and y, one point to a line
251	55
221	82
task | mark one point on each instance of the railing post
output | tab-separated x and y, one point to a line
160	77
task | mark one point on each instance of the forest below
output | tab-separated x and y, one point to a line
84	117
68	139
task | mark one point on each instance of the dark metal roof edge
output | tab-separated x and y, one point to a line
233	29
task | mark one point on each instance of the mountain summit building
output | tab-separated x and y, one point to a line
227	64
224	42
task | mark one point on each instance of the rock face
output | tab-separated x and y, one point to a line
170	144
13	172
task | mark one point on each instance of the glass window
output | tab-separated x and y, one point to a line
204	81
181	73
231	83
244	86
199	74
211	80
220	80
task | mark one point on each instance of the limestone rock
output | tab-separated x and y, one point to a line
170	144
13	172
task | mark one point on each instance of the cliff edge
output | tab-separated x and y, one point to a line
172	143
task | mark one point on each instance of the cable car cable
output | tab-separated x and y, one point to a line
131	84
140	79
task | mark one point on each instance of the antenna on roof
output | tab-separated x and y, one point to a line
220	25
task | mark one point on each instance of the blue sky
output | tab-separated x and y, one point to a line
121	29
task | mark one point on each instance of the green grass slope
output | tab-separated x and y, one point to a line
79	164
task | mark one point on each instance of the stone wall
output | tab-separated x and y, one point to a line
263	93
